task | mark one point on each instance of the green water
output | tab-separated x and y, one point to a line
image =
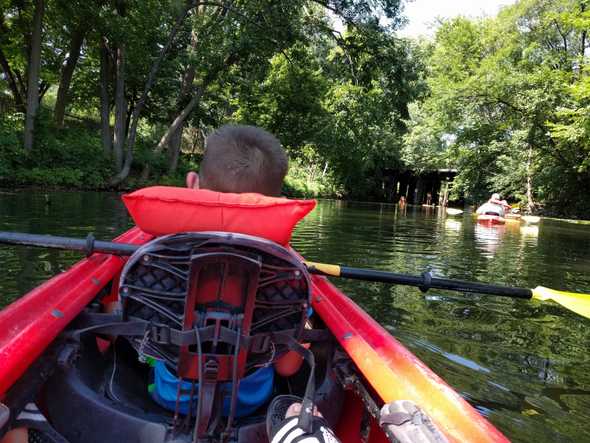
523	364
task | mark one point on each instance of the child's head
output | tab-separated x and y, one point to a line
241	159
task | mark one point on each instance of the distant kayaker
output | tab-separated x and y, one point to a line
495	199
494	206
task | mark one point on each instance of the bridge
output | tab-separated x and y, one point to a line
428	187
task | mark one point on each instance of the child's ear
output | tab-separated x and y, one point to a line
192	180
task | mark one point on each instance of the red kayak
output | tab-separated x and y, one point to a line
58	351
488	219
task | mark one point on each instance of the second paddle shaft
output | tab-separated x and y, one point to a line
89	245
424	281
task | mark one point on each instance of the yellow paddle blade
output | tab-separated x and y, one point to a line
579	303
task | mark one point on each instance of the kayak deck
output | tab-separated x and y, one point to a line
393	371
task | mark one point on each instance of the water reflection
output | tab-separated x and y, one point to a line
453	225
523	364
529	232
507	357
489	238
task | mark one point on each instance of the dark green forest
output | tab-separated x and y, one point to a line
115	94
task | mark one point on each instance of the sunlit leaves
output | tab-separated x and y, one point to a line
505	87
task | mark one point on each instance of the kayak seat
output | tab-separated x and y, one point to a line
229	299
180	281
210	309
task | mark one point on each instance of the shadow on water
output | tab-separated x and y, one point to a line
524	365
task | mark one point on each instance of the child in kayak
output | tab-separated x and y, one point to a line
242	159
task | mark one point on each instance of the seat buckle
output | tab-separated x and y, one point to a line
210	369
160	334
260	344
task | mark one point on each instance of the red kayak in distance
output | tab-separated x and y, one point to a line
373	369
490	220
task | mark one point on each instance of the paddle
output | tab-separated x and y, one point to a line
578	303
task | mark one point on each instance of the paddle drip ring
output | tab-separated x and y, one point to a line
427	281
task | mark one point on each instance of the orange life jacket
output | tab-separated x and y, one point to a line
161	210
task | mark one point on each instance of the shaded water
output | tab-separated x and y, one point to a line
524	365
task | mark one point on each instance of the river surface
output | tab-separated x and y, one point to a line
524	365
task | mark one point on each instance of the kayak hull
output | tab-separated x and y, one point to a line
38	317
391	370
490	220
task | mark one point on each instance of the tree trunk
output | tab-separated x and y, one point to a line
172	129
18	96
124	171
66	75
187	82
178	121
530	204
120	108
446	195
174	149
105	104
33	74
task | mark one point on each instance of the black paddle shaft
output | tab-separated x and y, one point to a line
424	282
88	245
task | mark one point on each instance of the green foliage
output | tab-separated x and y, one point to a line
424	146
364	137
10	151
347	99
336	100
308	177
71	157
508	104
288	101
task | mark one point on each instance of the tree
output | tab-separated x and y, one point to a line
499	87
33	75
68	25
129	140
154	68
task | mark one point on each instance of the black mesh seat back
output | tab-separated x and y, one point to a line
155	284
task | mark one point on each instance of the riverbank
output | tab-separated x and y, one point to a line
72	158
296	185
